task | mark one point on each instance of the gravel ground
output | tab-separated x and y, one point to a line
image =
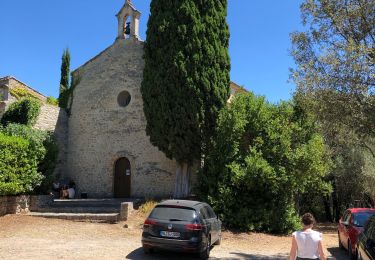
25	237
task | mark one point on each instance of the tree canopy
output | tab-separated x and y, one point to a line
335	62
264	156
186	77
64	79
65	71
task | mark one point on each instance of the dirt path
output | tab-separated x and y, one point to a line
23	237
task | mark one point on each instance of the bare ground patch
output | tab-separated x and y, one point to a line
24	237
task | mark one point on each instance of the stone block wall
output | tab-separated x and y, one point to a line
55	119
23	204
12	83
101	131
3	205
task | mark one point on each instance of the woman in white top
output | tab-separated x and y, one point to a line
307	243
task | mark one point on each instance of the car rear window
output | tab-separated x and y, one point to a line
359	219
173	213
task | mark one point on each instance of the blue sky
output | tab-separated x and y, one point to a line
34	34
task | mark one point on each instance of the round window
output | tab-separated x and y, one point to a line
123	99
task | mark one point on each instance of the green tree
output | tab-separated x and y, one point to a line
186	79
65	71
64	79
263	157
335	63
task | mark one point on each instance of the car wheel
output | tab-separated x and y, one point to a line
340	244
147	250
352	255
218	241
205	254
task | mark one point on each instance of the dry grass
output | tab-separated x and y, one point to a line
146	207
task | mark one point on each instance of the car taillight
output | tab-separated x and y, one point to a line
194	227
149	222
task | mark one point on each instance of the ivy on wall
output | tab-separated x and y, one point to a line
20	93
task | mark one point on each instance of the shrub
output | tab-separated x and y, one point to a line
18	170
42	147
52	101
24	111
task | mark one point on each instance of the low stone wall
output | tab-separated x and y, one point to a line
23	204
3	205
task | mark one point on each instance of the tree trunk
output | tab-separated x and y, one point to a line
327	208
335	206
182	185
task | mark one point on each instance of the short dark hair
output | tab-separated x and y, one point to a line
308	219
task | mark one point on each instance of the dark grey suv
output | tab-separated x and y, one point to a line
366	241
182	225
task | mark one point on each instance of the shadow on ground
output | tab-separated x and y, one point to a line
138	254
255	256
338	253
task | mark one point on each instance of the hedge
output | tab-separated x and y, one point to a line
18	170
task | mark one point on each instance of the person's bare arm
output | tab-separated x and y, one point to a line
293	249
321	251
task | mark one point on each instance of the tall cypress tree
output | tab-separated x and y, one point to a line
186	79
64	80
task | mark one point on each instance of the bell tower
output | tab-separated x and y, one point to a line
128	22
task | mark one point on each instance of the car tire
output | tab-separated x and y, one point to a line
147	250
341	246
218	241
205	254
352	256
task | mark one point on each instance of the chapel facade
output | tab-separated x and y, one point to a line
103	144
109	153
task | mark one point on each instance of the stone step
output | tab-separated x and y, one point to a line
91	203
80	209
96	217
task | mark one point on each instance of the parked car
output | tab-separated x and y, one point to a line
350	226
182	225
366	241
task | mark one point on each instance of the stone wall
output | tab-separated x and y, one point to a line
101	131
3	205
55	119
23	204
12	83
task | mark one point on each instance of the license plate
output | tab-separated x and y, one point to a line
169	234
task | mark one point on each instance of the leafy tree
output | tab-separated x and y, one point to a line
263	157
185	79
335	62
24	111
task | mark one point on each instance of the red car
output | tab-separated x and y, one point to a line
350	226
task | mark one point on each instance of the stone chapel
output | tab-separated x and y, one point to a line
105	149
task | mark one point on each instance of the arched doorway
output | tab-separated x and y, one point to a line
122	178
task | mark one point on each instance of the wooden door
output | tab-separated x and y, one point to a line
122	178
